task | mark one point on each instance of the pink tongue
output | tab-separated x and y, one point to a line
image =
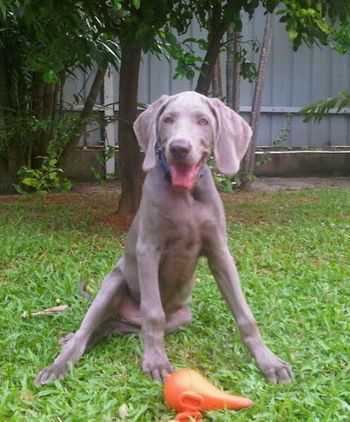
183	176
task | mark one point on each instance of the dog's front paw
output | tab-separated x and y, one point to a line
156	366
275	369
51	373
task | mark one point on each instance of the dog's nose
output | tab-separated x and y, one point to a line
180	148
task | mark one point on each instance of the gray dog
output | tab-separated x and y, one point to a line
180	218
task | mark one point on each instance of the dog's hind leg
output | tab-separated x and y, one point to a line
101	310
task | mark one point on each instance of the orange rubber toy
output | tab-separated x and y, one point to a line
189	393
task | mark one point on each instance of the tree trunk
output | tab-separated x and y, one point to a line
130	157
4	88
217	80
208	67
86	112
13	157
61	83
44	105
215	34
248	165
233	68
3	97
15	161
37	94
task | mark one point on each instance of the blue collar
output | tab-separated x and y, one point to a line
164	164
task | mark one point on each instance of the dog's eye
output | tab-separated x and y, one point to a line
168	119
203	122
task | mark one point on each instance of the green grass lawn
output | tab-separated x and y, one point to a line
293	253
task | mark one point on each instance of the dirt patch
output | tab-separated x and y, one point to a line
95	188
261	184
121	222
9	199
99	199
273	184
84	191
102	201
63	199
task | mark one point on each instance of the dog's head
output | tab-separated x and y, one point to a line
187	127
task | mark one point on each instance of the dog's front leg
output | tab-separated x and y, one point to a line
155	361
225	272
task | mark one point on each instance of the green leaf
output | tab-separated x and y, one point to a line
30	181
50	77
117	5
21	191
2	9
53	175
319	110
53	162
66	185
136	3
292	34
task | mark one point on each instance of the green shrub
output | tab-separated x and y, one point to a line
45	179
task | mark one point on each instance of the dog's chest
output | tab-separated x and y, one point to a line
183	241
182	226
178	263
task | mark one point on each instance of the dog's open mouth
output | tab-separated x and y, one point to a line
183	176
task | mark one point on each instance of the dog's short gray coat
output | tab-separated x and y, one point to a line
150	287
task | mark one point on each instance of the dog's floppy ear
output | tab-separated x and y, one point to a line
231	139
145	128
